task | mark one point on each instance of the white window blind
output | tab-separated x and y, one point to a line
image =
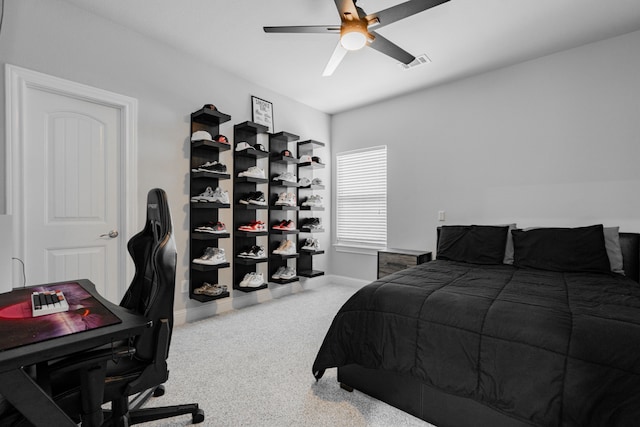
361	181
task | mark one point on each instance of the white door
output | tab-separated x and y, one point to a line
73	207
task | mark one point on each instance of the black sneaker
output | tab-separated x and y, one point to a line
257	198
212	167
247	198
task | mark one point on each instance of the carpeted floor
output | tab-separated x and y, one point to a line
252	367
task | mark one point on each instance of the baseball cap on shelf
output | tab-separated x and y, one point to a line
210	107
305	159
286	153
221	138
261	148
201	135
241	146
316	159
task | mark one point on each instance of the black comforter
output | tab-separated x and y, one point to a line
549	348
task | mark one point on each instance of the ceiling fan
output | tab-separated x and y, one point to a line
357	29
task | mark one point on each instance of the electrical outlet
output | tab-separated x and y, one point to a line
441	216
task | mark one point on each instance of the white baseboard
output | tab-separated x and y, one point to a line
349	281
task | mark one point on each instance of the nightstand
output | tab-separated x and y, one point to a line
392	260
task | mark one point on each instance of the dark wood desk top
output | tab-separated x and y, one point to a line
126	325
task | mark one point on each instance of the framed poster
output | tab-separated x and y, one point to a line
262	112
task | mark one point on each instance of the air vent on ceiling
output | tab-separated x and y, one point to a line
420	60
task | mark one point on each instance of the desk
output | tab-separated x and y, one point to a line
23	392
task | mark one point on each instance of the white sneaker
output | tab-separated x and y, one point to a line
205	196
304	182
286	176
253	172
256	280
288	273
220	196
277	274
211	256
313	201
246	279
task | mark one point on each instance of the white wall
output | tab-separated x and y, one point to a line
59	39
550	142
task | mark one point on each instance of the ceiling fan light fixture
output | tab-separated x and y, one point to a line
353	40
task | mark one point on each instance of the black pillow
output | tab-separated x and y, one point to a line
477	244
561	249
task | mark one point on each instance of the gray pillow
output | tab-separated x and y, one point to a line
612	245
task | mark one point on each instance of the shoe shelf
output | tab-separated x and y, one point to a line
209	236
241	233
207	175
250	207
200	213
295	231
209	205
306	169
252	180
250	261
207	267
310	252
279	163
254	135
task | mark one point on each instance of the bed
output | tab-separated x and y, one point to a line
506	327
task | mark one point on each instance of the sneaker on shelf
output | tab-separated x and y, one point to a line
245	199
220	196
316	181
311	244
278	272
256	280
252	172
313	201
287	247
211	167
245	280
215	228
288	273
304	182
305	159
205	196
211	256
312	223
253	226
286	176
286	199
257	252
285	224
210	290
257	198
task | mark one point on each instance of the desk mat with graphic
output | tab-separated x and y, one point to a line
18	327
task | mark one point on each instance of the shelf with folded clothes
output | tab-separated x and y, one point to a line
208	171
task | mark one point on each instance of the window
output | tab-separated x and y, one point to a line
361	200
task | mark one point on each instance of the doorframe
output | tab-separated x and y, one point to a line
17	81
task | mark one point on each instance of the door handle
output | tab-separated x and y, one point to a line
112	234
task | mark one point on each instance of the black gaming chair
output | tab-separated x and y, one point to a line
134	370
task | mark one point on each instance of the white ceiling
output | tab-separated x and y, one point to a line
462	37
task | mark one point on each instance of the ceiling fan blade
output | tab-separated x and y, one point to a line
383	45
321	29
338	53
401	11
346	7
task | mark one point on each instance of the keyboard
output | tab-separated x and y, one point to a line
48	302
